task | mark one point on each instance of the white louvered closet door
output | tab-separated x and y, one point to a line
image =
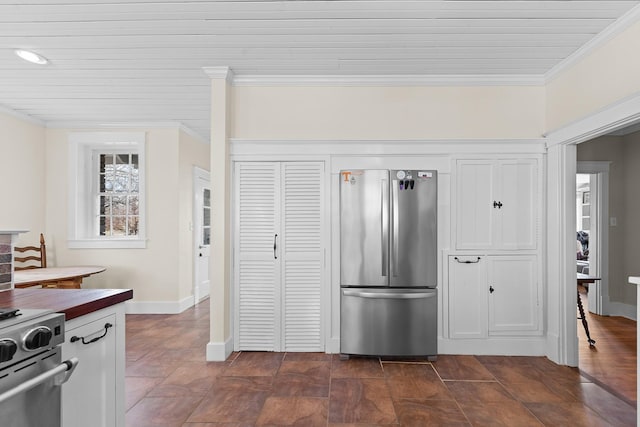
278	291
302	256
257	287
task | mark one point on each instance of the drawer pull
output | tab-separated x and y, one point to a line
467	262
106	330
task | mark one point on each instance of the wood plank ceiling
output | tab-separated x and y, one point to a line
140	61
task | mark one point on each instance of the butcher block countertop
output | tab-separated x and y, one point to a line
72	302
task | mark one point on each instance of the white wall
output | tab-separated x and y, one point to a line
22	178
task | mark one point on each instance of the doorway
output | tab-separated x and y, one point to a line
592	231
201	233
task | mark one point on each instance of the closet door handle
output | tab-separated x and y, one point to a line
275	246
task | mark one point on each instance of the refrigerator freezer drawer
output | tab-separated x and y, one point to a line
389	322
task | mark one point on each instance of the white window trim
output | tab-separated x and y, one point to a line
81	182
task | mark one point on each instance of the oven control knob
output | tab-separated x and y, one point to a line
37	338
8	348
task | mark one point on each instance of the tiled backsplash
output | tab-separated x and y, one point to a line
5	261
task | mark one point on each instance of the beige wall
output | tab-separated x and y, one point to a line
156	273
624	238
605	76
193	152
22	174
387	113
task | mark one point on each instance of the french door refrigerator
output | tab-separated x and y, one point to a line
388	262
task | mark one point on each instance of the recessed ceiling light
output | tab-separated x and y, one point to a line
32	57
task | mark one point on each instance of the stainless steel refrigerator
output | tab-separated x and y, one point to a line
388	262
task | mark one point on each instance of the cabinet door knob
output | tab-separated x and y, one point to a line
491	289
497	204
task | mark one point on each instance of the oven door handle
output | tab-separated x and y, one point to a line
62	372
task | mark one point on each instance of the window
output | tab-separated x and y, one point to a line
106	190
118	194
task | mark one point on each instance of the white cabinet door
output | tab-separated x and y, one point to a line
279	256
474	215
515	221
497	204
468	296
513	294
89	397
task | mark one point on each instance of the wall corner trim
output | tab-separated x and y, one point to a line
219	351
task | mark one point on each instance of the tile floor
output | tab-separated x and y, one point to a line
170	384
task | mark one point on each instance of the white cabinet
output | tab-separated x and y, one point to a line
468	297
497	204
279	256
514	294
493	295
94	394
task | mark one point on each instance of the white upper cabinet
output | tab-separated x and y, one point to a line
496	204
279	256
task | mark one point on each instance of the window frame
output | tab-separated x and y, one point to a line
83	191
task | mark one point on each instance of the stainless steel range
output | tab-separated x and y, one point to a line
31	367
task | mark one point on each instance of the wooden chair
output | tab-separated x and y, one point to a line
34	257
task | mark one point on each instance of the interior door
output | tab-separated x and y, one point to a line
202	229
257	256
302	253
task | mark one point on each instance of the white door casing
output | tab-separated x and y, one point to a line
202	233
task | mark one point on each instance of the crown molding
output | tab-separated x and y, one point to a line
388	80
617	27
21	116
219	73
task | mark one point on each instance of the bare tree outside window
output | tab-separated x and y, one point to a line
118	195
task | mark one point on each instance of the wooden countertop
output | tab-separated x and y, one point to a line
72	302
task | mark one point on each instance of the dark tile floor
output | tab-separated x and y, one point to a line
170	384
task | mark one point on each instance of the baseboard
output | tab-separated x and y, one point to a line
553	348
533	346
219	351
621	309
158	307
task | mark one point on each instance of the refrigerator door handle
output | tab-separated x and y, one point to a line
384	225
388	295
394	231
